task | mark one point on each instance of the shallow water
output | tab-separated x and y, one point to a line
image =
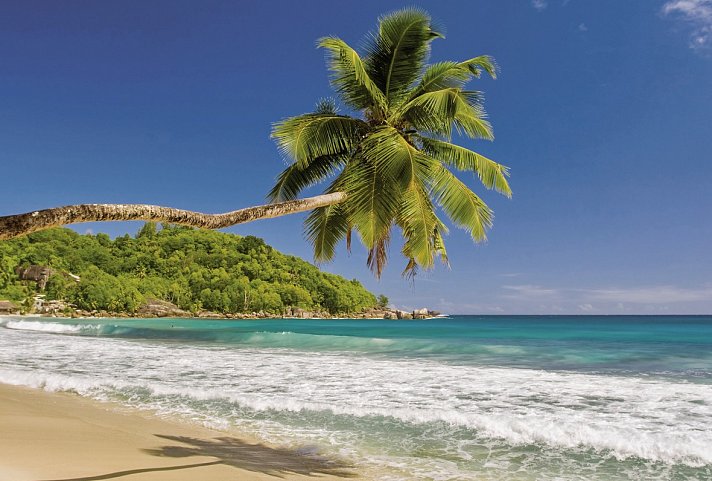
468	397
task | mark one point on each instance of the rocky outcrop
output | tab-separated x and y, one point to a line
38	274
424	313
388	313
300	313
159	308
52	307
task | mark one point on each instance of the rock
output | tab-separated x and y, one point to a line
38	274
159	308
51	308
403	314
300	313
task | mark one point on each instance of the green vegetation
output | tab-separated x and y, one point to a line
194	269
393	159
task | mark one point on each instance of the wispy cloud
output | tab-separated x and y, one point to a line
652	295
540	4
586	299
511	274
698	14
528	292
582	27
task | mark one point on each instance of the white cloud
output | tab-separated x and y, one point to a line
652	294
540	4
582	27
697	13
619	298
529	292
695	9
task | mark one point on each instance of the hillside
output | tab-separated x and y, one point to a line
193	269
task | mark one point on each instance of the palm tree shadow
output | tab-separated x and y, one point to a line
277	462
235	452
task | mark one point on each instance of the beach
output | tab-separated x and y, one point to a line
496	398
61	436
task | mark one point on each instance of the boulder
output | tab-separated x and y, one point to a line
160	308
403	314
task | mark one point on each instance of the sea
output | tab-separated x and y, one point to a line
456	398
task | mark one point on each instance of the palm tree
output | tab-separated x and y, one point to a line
390	164
393	158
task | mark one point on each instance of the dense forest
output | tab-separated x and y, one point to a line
193	269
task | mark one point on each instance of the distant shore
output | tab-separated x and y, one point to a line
60	436
157	308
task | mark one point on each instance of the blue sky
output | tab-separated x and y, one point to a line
603	111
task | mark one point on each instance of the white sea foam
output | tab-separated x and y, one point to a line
330	396
41	326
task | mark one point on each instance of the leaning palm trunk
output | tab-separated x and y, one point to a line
21	224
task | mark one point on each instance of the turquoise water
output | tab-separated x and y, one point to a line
459	398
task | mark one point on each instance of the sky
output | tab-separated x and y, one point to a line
602	110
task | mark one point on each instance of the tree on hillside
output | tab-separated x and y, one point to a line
390	163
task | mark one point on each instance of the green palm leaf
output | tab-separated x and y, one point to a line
349	77
460	204
325	228
306	137
438	111
417	219
444	75
298	177
397	52
491	174
373	200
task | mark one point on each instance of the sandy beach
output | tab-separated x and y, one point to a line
57	436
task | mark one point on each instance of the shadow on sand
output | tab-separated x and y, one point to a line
228	451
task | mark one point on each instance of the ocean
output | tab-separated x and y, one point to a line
459	398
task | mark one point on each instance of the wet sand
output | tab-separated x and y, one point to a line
62	437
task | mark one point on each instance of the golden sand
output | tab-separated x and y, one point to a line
59	436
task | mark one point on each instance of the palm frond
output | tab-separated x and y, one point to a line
417	219
439	243
298	177
306	137
325	227
436	245
470	116
349	76
378	254
398	158
461	205
326	106
491	174
448	74
441	110
373	199
397	52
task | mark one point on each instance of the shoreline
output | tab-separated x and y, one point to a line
61	436
217	317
